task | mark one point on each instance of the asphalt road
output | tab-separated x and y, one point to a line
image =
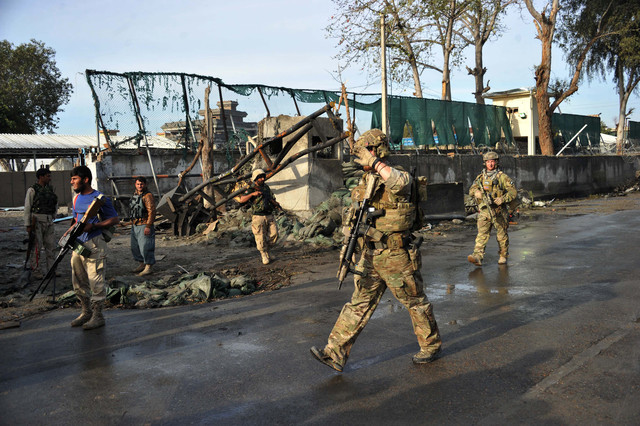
552	338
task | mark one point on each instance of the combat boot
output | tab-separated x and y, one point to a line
86	312
265	257
322	356
475	259
425	357
139	268
146	271
502	260
97	320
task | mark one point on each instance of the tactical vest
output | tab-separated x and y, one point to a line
136	206
45	200
399	211
491	184
263	204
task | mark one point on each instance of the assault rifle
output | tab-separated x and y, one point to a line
69	241
25	278
488	201
364	215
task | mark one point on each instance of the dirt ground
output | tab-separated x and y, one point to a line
295	262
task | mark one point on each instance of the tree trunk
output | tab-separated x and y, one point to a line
543	75
6	165
416	79
207	148
447	48
478	72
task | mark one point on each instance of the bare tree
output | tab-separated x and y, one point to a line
481	22
356	27
546	22
446	21
413	29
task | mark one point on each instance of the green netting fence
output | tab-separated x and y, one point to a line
634	131
566	126
139	104
435	122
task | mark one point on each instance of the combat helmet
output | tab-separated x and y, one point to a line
256	173
491	155
376	139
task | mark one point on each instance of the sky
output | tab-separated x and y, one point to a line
279	43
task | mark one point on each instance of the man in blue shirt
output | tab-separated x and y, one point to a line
88	270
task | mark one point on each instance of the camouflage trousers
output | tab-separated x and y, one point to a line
399	270
45	242
264	230
87	273
485	224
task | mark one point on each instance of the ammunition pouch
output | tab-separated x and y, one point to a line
79	248
389	241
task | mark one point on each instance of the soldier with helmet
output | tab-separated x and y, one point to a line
390	258
40	208
263	203
493	190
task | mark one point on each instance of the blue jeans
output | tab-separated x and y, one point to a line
143	247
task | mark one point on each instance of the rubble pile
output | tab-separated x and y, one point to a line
322	228
170	291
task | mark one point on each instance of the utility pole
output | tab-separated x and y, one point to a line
383	63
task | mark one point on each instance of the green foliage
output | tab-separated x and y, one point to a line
614	25
31	88
618	46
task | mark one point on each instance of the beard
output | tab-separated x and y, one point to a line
79	189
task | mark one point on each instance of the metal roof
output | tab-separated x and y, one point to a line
510	93
15	145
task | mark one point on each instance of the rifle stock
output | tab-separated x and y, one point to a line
348	249
69	240
31	242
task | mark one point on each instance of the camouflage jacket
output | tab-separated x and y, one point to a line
498	185
263	204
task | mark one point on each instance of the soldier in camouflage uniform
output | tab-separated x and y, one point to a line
40	208
263	203
389	259
493	191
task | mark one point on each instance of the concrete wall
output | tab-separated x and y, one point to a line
13	187
310	180
546	177
166	163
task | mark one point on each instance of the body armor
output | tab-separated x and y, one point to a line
45	200
399	212
136	206
263	204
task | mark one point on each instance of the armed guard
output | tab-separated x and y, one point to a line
88	265
40	208
143	235
263	204
390	257
493	191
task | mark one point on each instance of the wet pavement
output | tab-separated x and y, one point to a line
552	338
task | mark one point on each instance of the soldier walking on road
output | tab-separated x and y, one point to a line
143	234
263	203
40	208
390	258
493	191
